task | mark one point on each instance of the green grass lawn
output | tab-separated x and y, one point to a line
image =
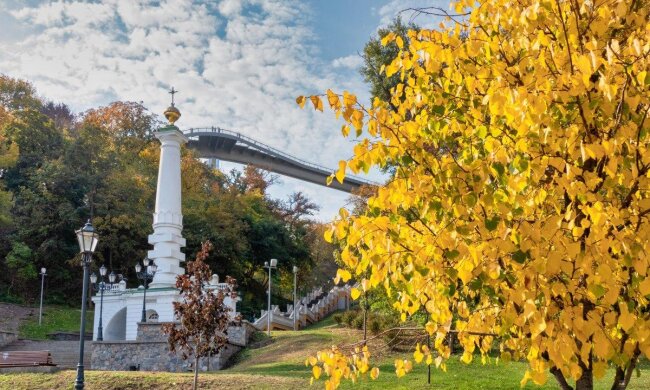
55	318
280	366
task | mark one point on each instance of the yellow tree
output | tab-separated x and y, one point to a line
518	215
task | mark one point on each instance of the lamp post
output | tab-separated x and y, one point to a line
145	274
40	310
270	266
101	287
87	238
295	285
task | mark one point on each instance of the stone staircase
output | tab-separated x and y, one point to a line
310	309
65	354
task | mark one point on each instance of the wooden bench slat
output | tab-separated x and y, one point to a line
25	358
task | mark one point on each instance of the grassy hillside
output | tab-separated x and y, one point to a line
55	319
280	366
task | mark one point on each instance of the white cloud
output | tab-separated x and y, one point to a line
240	63
353	61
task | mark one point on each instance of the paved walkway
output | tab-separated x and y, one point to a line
11	316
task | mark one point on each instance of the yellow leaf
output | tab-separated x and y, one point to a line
387	38
525	379
599	369
374	373
626	320
349	99
333	99
357	120
539	377
328	235
418	355
355	293
316	370
399	42
644	287
317	102
340	174
301	101
345	275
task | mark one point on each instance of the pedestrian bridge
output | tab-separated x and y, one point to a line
227	145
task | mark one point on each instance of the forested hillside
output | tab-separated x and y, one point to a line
60	168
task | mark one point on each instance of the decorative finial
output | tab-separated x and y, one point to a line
171	113
172	92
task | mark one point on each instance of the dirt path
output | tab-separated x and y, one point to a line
11	316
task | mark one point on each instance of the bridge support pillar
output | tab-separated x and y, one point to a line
167	239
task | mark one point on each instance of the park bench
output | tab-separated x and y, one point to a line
25	359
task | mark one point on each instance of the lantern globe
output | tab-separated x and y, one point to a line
87	238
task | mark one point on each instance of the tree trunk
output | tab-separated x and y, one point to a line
196	373
564	385
586	381
623	375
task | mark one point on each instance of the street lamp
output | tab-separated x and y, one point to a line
101	287
295	298
87	238
40	311
274	264
145	274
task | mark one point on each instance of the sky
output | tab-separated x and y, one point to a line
238	64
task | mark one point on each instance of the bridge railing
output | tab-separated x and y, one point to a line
196	131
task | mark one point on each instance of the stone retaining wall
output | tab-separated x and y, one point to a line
151	356
7	338
150	351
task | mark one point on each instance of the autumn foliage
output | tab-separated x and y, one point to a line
518	214
204	317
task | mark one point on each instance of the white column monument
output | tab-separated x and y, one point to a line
123	307
167	239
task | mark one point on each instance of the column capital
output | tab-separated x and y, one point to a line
170	133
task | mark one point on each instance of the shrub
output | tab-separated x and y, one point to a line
349	316
357	323
375	325
338	318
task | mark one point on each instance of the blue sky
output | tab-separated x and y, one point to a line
238	64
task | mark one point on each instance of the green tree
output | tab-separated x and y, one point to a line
20	264
17	95
377	56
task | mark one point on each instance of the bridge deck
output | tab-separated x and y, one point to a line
227	145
